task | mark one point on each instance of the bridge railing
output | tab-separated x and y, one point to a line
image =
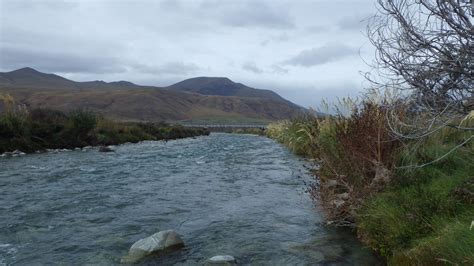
226	125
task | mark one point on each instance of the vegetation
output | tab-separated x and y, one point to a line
424	217
408	211
250	130
400	168
39	129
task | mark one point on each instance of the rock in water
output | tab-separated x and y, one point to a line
161	241
222	260
105	149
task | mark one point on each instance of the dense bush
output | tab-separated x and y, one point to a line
41	129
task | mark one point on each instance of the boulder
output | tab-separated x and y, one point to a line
159	242
222	260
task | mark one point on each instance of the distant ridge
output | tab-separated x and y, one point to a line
223	87
30	77
195	99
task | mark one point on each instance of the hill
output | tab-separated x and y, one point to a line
222	87
199	99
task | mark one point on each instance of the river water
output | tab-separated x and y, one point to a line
240	195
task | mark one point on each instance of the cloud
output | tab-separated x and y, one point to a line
52	61
164	41
321	55
252	67
353	22
248	13
276	69
170	68
276	38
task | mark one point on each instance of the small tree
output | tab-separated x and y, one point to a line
425	48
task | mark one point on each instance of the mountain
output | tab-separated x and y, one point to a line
222	87
196	99
29	77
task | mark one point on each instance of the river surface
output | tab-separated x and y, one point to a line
240	195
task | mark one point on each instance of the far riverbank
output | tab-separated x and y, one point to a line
28	131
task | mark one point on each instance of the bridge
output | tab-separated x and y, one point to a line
227	127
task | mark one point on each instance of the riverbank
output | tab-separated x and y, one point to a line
40	129
374	183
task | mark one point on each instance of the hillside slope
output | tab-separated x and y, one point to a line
222	87
127	101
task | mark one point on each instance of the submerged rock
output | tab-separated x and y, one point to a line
161	241
105	149
14	153
222	260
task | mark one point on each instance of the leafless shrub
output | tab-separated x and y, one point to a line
425	48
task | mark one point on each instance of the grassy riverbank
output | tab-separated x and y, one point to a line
373	182
38	129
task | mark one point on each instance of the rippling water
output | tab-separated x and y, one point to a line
240	195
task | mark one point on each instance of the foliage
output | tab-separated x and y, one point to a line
296	134
425	217
252	131
404	204
354	152
40	129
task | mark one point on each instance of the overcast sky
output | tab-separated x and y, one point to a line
304	50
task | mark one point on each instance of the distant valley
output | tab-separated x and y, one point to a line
201	99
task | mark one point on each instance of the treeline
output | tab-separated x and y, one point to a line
411	200
40	129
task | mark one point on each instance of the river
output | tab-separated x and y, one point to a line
240	195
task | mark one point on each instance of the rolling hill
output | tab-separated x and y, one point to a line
196	99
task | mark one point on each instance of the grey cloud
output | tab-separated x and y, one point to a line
248	14
11	58
314	95
354	22
318	28
170	68
252	67
133	40
276	69
276	38
321	55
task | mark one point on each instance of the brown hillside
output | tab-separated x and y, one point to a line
127	101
